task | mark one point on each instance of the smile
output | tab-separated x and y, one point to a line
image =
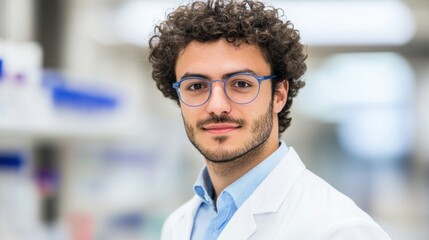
220	128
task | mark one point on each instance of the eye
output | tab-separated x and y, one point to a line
241	84
193	85
196	86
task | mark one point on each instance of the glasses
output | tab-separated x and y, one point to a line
241	88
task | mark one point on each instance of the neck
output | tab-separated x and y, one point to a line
224	174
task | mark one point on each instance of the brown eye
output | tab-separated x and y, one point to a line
241	84
193	85
196	86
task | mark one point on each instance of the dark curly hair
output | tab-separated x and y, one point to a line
238	22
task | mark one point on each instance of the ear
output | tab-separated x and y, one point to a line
280	96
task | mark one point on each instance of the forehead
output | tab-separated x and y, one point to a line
214	59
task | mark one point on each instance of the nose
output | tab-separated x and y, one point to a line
218	103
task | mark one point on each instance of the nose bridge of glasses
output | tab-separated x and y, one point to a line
221	84
219	80
217	84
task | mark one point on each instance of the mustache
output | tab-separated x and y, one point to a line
223	118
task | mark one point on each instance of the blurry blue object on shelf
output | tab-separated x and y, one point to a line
64	96
132	157
129	221
78	98
1	69
125	225
11	161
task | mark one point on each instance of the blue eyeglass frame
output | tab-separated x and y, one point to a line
176	86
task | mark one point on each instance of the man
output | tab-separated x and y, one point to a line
234	69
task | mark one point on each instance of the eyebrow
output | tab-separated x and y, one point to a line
226	75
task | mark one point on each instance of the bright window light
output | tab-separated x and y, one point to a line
369	96
345	81
320	22
377	133
351	22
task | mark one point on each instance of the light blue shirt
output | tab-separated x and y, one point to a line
209	223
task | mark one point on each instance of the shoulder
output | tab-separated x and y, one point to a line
333	214
314	195
294	203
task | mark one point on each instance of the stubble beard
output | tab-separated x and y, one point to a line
261	129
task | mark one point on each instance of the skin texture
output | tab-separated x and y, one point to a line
232	137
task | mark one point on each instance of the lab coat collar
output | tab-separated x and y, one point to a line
186	220
270	194
267	197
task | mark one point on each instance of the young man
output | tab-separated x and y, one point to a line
234	68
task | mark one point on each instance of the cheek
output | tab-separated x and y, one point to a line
190	115
263	102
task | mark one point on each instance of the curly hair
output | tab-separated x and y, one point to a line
238	22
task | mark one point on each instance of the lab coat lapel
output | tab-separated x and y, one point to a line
183	227
267	197
241	226
270	194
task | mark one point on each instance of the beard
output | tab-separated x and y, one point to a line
260	130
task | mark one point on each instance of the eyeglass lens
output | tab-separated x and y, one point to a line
239	89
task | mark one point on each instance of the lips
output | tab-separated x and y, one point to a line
220	128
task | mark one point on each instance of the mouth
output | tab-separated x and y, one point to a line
220	128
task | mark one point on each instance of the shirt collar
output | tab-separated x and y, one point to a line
243	187
203	186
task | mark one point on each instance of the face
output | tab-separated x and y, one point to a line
220	129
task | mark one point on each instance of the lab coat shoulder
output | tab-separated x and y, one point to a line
294	203
331	214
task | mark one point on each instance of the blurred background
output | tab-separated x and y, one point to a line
90	149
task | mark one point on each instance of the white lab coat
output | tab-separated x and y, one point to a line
291	203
